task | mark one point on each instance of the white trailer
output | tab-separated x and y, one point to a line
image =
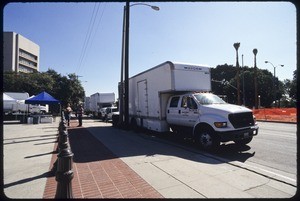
101	100
150	90
19	104
18	95
176	96
8	103
87	104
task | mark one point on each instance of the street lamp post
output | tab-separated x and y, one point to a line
126	71
255	79
125	62
274	85
236	46
244	98
121	84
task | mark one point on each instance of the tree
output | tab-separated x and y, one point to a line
77	92
32	83
293	87
290	92
66	89
224	83
219	75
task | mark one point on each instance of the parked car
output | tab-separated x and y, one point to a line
109	112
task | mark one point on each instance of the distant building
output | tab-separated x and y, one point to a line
19	53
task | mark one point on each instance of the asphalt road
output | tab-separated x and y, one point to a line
275	146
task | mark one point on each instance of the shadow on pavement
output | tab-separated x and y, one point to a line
88	148
24	141
230	151
32	136
43	154
44	175
235	152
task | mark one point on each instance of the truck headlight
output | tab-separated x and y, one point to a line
220	124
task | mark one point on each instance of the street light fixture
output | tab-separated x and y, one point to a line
125	63
274	67
144	4
274	86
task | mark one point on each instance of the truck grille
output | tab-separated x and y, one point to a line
240	120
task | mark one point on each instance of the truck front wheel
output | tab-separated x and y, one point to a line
207	139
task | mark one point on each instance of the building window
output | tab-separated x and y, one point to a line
27	55
27	62
25	69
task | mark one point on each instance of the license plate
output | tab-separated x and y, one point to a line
246	135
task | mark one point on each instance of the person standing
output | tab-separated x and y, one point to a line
68	113
79	115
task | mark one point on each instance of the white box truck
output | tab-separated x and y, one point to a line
99	101
177	96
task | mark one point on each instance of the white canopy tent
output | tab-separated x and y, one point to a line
8	102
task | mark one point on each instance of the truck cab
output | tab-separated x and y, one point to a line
109	112
210	120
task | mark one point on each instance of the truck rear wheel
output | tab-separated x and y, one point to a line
207	139
115	120
133	125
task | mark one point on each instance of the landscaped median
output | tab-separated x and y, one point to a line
276	114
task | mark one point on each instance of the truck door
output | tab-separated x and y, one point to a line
189	111
173	111
142	109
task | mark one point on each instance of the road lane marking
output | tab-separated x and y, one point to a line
279	175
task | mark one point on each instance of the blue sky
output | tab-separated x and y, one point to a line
189	32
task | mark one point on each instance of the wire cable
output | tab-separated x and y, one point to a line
88	35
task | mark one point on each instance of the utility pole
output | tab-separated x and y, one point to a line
244	98
126	65
121	85
236	46
125	62
77	76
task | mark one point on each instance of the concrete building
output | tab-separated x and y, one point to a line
19	53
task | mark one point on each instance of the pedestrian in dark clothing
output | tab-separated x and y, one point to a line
79	115
68	112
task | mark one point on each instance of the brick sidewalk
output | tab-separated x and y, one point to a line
98	173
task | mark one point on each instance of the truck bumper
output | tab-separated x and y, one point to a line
238	134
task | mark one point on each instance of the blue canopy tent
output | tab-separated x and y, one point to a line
42	98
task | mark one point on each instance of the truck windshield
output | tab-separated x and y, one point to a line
208	99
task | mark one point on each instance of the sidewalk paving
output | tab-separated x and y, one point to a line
176	172
113	163
98	173
27	151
